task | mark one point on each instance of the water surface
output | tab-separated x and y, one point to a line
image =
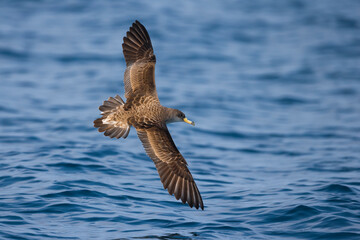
274	88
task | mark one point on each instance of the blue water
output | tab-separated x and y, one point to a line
273	86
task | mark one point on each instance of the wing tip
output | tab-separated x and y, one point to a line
137	22
137	44
193	199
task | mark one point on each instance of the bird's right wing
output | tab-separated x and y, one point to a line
171	165
139	77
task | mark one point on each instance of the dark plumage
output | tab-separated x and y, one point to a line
143	111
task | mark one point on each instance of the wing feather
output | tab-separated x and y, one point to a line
178	187
184	191
139	76
171	165
189	195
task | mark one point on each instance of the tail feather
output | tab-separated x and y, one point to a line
110	123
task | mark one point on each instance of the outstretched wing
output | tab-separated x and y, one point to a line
171	165
140	60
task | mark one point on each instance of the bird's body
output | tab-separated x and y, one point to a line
144	112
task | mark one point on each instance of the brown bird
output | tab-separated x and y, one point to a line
143	111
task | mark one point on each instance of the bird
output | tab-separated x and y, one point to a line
143	111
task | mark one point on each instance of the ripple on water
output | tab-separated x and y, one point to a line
9	180
60	208
300	212
12	220
77	167
337	188
74	193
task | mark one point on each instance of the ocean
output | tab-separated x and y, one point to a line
274	89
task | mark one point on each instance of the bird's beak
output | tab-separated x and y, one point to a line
189	122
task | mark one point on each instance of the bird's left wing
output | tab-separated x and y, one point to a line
171	165
139	77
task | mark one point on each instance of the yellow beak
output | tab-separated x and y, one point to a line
189	122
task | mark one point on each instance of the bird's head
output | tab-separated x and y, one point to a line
178	116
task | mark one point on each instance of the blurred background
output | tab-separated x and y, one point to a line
274	87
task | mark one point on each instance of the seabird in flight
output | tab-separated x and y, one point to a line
143	111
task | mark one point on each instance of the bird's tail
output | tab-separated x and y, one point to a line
111	122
